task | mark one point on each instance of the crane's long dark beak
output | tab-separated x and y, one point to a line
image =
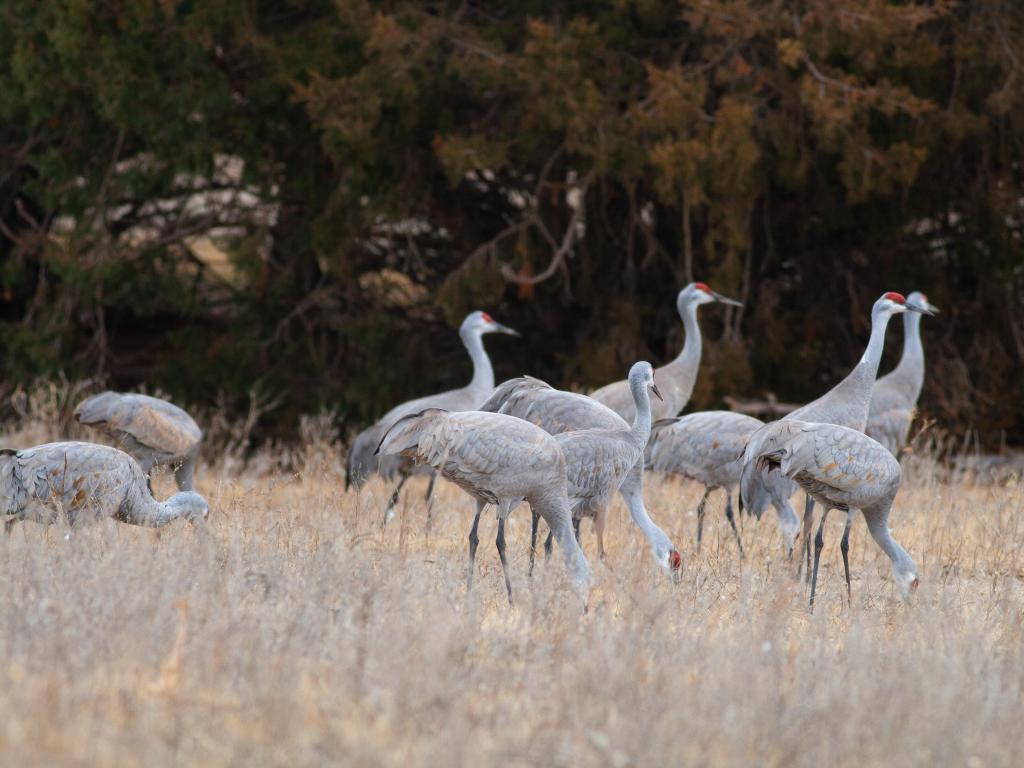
925	309
726	300
499	328
657	394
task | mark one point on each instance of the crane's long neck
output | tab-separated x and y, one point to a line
640	432
677	378
632	490
878	524
911	364
144	510
856	387
553	506
482	383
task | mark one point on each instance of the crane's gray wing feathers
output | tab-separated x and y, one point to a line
596	461
142	422
553	410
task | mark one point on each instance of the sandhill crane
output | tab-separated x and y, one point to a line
894	396
676	379
846	404
558	412
83	481
708	447
154	432
362	461
844	469
496	459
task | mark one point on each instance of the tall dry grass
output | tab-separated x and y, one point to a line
293	630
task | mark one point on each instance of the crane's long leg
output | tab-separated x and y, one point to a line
700	515
500	543
844	545
429	499
600	518
819	542
9	525
534	521
390	511
732	521
474	540
808	522
576	528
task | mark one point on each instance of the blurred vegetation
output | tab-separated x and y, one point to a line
303	198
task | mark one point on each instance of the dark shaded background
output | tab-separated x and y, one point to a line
303	198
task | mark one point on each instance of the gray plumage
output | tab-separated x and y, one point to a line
846	404
675	380
558	413
81	482
841	468
708	447
894	397
362	462
154	432
496	459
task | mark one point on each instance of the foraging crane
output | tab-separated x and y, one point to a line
841	468
362	461
707	447
496	459
561	413
894	397
83	481
154	432
676	379
845	405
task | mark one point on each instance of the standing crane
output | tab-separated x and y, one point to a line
154	432
845	405
708	447
676	379
558	412
496	459
841	468
894	398
85	481
362	461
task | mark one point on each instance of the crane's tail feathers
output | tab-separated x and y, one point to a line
403	436
662	423
510	389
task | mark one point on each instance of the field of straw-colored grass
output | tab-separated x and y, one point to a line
292	629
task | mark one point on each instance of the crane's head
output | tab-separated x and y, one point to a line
480	322
906	579
641	376
893	303
696	294
669	560
918	299
189	505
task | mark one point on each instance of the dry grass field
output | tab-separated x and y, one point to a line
292	630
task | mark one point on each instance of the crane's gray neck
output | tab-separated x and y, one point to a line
641	429
632	490
911	364
861	379
554	508
677	385
482	384
878	525
151	513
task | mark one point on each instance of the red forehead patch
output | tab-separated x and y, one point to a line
487	318
897	297
677	560
702	287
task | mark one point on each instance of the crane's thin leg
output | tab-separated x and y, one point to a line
548	544
700	515
600	518
534	520
473	541
819	542
500	542
808	522
576	528
732	521
429	498
844	545
9	525
390	511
